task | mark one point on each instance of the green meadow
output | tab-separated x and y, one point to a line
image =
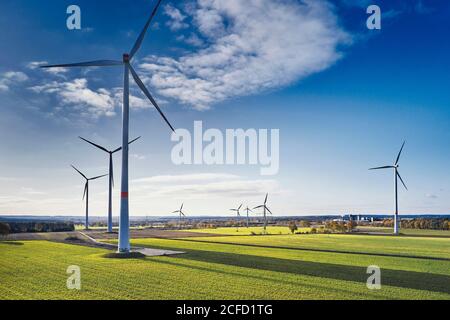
234	267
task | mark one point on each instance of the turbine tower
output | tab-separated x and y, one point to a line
181	214
265	210
248	210
397	176
124	224
86	193
111	177
238	214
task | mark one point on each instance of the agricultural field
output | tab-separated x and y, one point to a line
243	231
234	267
408	232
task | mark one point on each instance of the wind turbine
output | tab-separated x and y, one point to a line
86	193
124	225
238	214
265	209
181	213
111	176
397	176
248	210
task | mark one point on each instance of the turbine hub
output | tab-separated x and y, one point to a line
126	57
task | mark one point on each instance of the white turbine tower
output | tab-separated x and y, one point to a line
265	210
397	176
86	194
111	176
124	225
238	215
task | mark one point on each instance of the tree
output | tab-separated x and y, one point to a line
305	224
4	229
351	225
293	227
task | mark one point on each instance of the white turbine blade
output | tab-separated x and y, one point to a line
399	154
96	63
240	207
182	206
258	207
80	172
269	210
385	167
95	145
149	96
85	190
141	37
118	149
398	175
265	201
95	178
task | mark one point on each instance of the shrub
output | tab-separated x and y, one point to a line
4	229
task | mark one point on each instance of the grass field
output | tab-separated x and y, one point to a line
411	232
237	267
247	231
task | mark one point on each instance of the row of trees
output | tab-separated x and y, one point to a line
420	223
23	227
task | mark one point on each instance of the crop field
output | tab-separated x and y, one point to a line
243	231
234	267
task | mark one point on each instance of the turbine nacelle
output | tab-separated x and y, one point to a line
126	58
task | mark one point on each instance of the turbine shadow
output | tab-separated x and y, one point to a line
390	277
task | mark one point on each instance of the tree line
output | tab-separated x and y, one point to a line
25	227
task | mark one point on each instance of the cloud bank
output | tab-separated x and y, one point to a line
252	46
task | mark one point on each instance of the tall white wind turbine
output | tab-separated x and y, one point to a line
124	224
397	176
238	215
181	214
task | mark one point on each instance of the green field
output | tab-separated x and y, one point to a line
243	231
411	232
234	267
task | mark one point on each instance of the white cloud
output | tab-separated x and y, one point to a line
76	93
198	186
254	45
10	78
54	71
176	21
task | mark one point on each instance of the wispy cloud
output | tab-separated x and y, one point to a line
54	71
198	186
177	19
11	78
253	46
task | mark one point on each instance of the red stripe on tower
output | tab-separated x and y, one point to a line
124	194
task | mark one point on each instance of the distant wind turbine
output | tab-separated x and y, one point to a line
238	214
86	193
181	213
397	176
111	176
248	210
124	226
265	210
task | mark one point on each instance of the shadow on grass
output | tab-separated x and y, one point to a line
320	250
12	243
389	277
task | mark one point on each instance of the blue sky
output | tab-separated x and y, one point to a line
343	97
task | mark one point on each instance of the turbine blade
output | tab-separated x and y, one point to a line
265	201
178	211
141	37
149	96
120	148
240	207
182	206
85	190
96	63
399	154
95	178
269	210
95	145
398	175
385	167
80	172
258	207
